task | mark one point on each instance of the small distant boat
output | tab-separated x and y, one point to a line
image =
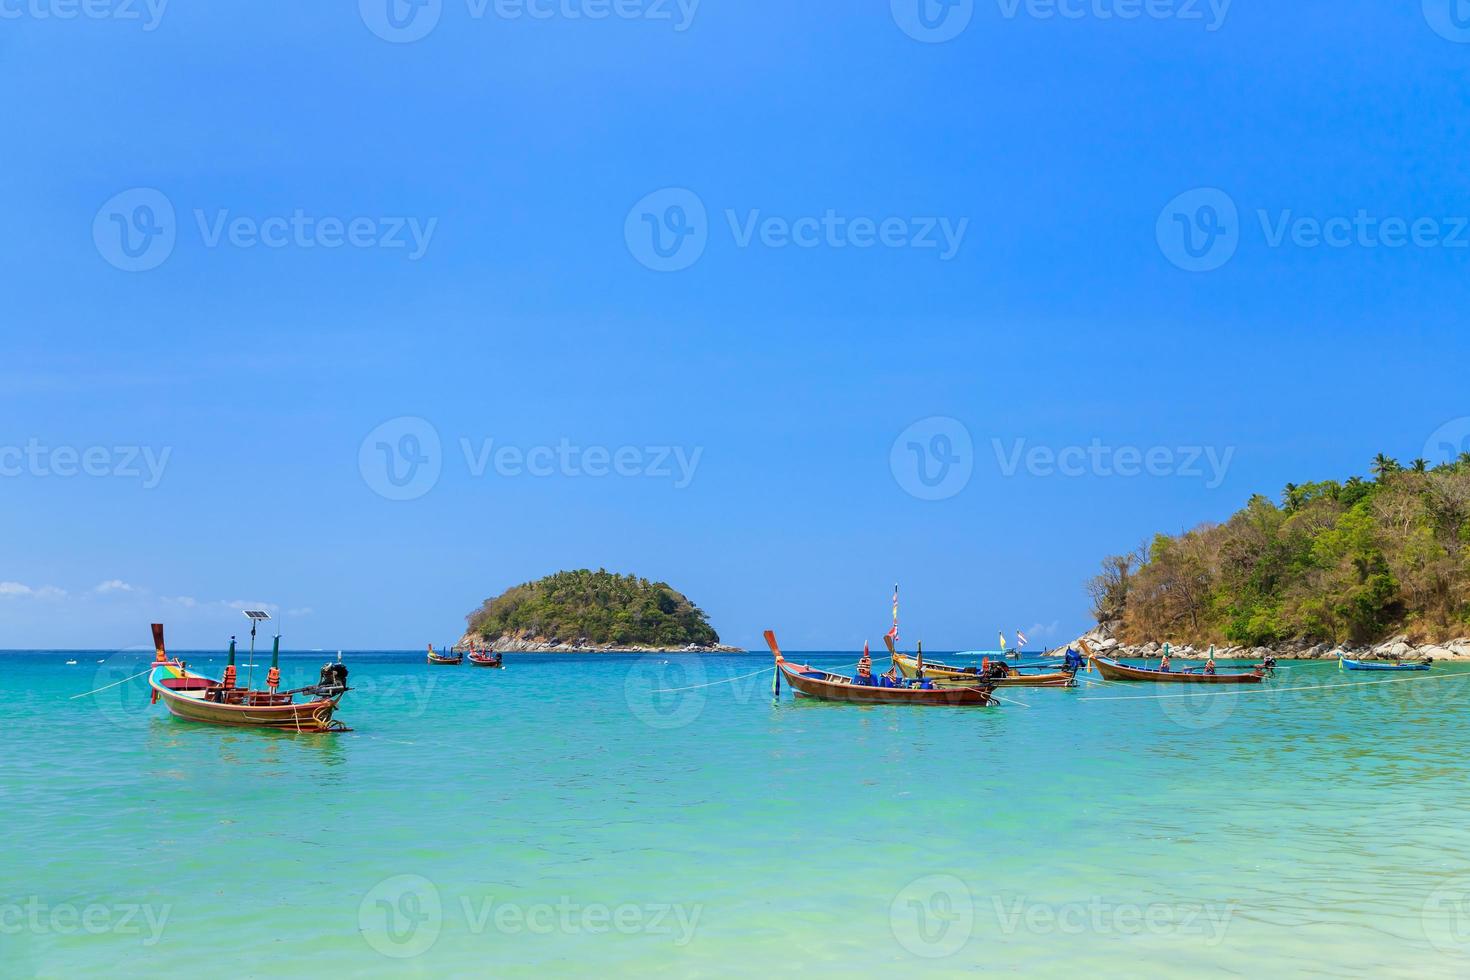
996	672
444	659
483	659
813	682
73	663
1344	663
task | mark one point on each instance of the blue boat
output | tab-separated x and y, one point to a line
1345	664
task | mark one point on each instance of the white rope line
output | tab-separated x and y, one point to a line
731	680
101	689
1276	690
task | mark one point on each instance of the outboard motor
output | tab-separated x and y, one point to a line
333	679
1073	663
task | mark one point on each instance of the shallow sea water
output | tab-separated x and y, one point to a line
575	816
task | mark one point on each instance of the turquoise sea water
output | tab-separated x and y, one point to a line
562	817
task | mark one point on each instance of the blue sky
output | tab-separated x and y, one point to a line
367	230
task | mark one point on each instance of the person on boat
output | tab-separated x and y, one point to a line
865	670
1164	664
1210	666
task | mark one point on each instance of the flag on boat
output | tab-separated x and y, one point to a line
1002	640
893	633
1020	639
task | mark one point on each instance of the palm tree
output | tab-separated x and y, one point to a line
1292	495
1383	464
1420	465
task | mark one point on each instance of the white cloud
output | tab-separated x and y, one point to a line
303	611
242	605
17	590
113	585
187	601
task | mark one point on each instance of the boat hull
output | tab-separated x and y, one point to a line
1369	665
492	664
812	682
1111	670
445	661
909	667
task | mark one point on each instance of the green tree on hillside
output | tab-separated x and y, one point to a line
1334	562
594	607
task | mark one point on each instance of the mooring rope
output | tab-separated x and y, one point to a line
1276	690
105	687
729	680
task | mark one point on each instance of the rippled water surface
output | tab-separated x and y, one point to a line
573	816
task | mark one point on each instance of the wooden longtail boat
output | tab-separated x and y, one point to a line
1112	670
195	697
999	673
444	659
486	660
1346	664
813	682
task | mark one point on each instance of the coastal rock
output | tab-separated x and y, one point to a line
541	644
